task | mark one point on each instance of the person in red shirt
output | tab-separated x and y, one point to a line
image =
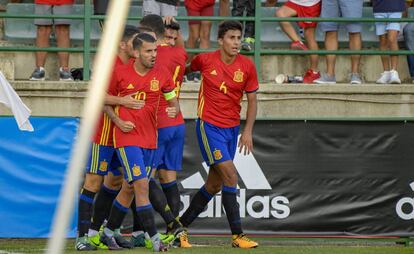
227	75
171	131
102	160
44	29
135	147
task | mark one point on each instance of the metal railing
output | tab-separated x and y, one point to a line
87	18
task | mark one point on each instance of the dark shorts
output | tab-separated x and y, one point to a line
169	153
102	160
216	144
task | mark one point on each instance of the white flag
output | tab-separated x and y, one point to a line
10	98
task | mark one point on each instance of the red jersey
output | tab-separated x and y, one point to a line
104	130
54	2
174	59
198	4
222	87
148	88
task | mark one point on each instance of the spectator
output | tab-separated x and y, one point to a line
44	29
388	34
239	6
160	7
99	8
303	8
346	9
199	30
409	43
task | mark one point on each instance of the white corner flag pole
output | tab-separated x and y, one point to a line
103	67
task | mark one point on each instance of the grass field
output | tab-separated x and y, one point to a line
218	245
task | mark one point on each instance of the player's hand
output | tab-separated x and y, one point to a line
171	112
246	143
125	126
129	102
168	19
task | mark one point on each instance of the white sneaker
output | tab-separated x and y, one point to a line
385	78
394	78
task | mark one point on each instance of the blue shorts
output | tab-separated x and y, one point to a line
136	161
169	154
341	8
216	144
382	27
102	160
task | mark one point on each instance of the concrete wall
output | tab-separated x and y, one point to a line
275	101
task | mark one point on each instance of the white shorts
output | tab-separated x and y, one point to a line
161	9
382	27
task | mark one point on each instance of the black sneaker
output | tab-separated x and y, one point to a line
65	75
110	242
138	241
122	242
38	74
247	44
82	244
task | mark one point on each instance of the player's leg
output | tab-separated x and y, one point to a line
135	160
118	212
104	200
198	203
95	170
167	171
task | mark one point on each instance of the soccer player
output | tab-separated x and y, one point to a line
226	76
171	132
135	148
102	160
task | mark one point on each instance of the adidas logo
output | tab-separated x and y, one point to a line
213	72
130	86
254	179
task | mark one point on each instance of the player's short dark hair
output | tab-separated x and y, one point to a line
146	29
228	25
154	22
173	25
141	38
129	32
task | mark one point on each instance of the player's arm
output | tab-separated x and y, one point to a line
173	106
246	138
125	126
127	101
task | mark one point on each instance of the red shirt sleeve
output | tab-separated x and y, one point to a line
252	84
168	85
113	85
196	63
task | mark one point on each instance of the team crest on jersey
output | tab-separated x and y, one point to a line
217	154
155	85
136	170
238	76
130	86
103	166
